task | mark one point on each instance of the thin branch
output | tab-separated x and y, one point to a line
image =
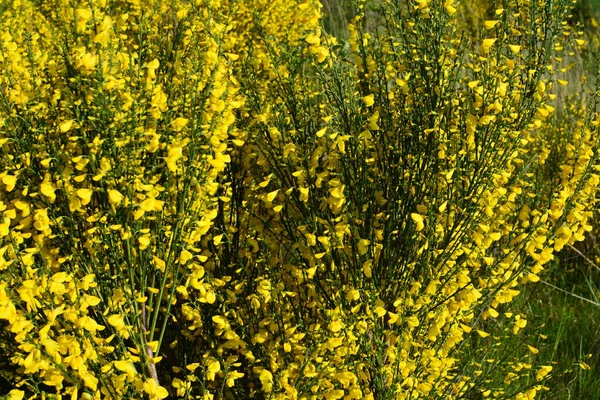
584	257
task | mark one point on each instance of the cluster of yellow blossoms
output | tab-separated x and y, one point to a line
213	199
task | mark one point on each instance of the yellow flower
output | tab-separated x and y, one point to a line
542	372
15	394
492	312
175	152
482	333
220	160
367	270
102	38
47	190
584	366
313	38
336	326
151	204
418	219
66	126
519	324
82	15
490	24
220	322
231	377
154	390
88	60
127	367
271	196
334	394
179	123
487	44
144	242
412	321
212	367
184	257
117	321
114	197
9	182
181	386
533	349
90	301
90	380
154	64
449	6
85	195
433	333
514	48
266	379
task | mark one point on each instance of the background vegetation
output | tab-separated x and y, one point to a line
280	200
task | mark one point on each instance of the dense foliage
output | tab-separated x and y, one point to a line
215	199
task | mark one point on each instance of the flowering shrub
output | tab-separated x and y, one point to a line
216	199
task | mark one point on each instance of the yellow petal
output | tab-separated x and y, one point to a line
214	366
148	204
449	6
144	242
490	24
313	38
532	349
336	326
154	64
154	390
88	60
266	378
126	366
271	196
220	321
514	48
66	126
482	333
584	366
91	300
179	123
418	219
542	372
367	268
114	197
487	44
184	257
48	190
15	394
85	195
9	182
116	321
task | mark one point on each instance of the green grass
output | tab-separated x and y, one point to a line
563	314
566	304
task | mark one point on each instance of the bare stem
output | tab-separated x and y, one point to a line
149	352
